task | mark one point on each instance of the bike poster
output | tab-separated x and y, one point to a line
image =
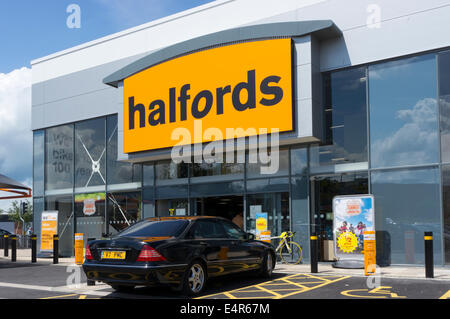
353	215
261	224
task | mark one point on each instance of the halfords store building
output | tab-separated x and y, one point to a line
358	91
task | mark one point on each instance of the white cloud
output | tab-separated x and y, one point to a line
16	137
414	142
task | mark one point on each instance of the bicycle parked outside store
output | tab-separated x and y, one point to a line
290	252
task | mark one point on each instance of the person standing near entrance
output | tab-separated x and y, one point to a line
238	220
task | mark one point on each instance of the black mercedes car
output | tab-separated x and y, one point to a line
182	252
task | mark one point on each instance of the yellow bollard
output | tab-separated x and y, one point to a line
370	258
79	247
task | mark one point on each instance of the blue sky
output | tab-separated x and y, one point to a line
33	29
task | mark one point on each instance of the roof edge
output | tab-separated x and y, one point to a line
323	29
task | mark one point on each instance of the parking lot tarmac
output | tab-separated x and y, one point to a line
47	281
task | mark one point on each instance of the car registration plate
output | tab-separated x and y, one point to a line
113	255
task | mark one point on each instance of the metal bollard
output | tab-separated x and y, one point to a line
429	264
33	239
6	244
314	253
13	248
55	249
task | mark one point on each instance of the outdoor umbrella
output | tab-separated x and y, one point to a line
11	186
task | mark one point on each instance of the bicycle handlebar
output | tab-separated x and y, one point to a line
287	234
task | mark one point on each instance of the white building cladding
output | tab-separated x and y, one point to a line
373	90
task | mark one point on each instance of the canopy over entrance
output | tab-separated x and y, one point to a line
15	189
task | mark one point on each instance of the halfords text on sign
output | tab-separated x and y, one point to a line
246	85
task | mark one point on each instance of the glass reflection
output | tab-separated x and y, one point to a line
407	205
172	207
403	112
148	174
444	101
123	210
63	204
38	208
169	170
255	169
59	158
345	108
215	169
268	185
211	189
299	161
446	209
118	172
38	163
90	214
90	153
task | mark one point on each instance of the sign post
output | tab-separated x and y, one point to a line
353	217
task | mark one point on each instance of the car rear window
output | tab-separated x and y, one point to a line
151	228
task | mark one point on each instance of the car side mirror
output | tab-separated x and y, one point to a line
250	236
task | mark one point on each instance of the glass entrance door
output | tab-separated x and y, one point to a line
229	207
276	205
323	189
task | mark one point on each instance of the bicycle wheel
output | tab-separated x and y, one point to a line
292	257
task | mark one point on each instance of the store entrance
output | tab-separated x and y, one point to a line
223	206
323	189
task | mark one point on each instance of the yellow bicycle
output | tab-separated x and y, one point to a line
290	251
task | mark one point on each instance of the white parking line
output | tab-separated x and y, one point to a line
78	289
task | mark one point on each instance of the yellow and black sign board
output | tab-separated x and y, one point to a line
370	259
79	248
246	85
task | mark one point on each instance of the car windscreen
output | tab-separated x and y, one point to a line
152	228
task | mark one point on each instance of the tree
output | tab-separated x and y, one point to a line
15	215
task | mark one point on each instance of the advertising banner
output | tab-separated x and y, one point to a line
261	224
49	227
353	215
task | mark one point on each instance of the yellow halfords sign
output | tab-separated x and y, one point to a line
247	86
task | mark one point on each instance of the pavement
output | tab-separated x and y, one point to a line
441	273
